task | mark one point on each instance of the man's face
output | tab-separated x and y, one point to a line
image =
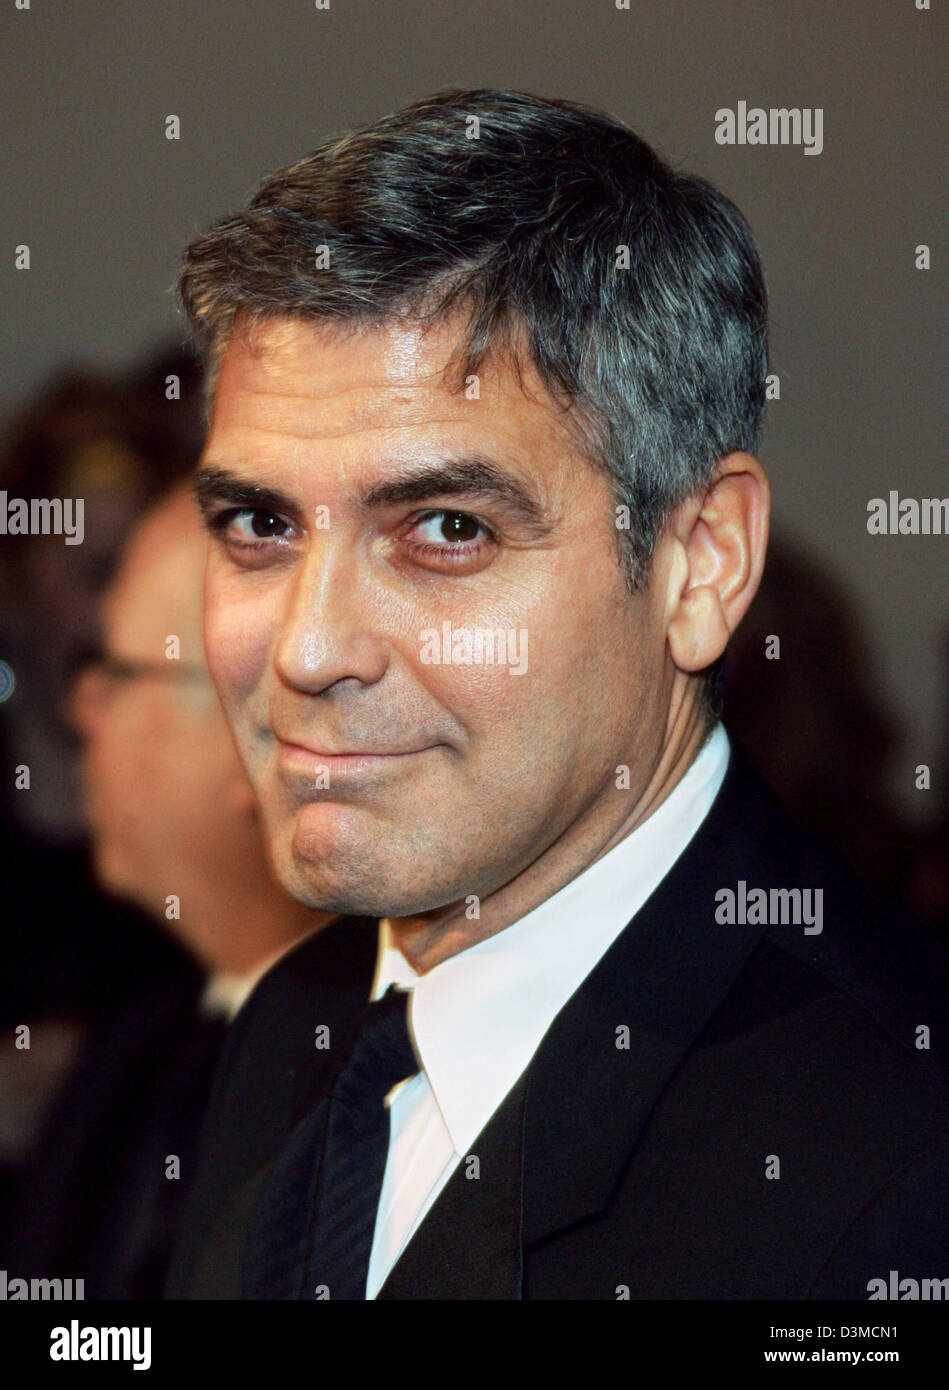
388	507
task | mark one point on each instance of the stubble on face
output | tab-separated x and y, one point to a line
495	788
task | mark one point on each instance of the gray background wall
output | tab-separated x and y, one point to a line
106	203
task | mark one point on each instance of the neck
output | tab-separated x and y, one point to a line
429	938
238	926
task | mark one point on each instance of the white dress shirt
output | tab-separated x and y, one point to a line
478	1018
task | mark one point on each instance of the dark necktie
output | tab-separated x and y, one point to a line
355	1150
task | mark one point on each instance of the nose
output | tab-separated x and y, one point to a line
326	633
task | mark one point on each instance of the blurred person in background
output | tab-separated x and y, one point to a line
117	443
70	952
175	832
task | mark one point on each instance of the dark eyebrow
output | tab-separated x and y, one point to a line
459	477
211	484
451	478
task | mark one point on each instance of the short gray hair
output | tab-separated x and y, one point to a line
637	291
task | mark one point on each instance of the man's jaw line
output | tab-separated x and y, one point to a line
428	938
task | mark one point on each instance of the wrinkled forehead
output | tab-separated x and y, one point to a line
294	380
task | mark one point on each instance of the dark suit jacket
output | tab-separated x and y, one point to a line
644	1170
94	1201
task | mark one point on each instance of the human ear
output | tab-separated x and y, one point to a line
718	545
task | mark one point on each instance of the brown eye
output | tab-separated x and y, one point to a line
249	525
265	525
459	526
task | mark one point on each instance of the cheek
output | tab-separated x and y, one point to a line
126	773
588	656
204	767
119	758
520	693
239	629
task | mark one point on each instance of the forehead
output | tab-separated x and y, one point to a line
373	389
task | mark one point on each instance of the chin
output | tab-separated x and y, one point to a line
330	895
111	870
355	890
114	877
338	858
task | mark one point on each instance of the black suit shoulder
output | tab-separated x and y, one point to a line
779	1125
271	1067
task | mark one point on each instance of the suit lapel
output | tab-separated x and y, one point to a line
331	984
329	988
593	1085
469	1245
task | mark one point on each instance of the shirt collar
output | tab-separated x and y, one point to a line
479	1017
